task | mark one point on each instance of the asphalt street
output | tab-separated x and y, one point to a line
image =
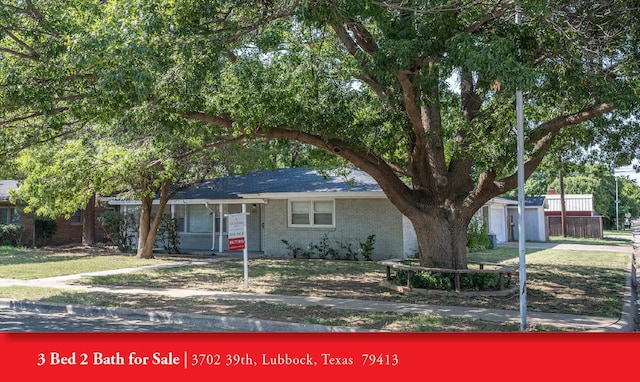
30	321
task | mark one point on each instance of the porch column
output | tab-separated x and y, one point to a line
221	209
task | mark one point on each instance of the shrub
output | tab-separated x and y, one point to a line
446	281
478	236
350	253
168	234
324	248
293	249
45	229
11	234
366	247
120	229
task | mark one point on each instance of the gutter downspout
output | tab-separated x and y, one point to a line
213	227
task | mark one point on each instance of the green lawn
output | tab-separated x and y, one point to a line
26	264
559	281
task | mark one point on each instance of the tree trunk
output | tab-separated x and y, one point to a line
442	241
89	222
145	250
149	225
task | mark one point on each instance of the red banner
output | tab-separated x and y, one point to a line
284	356
236	244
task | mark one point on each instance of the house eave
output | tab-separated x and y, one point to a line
317	195
191	201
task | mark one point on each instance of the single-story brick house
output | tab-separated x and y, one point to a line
296	205
68	231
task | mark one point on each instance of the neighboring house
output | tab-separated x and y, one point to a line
575	204
7	210
297	205
68	231
581	218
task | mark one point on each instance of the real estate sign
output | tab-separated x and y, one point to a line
237	231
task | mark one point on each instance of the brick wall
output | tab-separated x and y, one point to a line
355	219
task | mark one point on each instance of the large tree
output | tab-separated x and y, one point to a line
422	96
418	94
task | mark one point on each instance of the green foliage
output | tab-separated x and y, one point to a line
168	234
324	249
365	248
45	229
348	248
477	236
446	281
155	82
120	228
294	250
11	234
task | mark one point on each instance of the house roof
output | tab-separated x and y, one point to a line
280	181
5	186
530	201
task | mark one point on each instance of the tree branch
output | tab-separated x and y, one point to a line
23	44
33	115
382	171
222	121
489	186
20	54
498	10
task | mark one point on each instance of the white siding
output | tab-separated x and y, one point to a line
497	222
572	202
409	238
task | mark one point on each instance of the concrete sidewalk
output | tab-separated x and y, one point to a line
626	323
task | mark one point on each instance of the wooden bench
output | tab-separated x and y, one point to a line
502	270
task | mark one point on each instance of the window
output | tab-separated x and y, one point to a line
179	214
4	216
311	213
15	218
76	218
199	219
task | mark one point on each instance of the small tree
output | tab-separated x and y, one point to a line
120	228
168	234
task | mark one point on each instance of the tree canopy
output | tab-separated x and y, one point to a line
418	94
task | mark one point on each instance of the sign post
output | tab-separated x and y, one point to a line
238	238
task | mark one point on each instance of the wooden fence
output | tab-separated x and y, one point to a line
577	226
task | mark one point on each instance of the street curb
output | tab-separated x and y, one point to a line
204	322
629	308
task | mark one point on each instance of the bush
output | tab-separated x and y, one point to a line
120	229
366	247
345	250
324	249
168	234
45	229
446	281
11	234
478	236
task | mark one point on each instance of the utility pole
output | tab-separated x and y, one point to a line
522	275
563	207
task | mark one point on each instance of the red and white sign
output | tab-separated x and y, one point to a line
237	231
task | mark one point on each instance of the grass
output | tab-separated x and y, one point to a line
606	240
27	264
624	233
559	281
